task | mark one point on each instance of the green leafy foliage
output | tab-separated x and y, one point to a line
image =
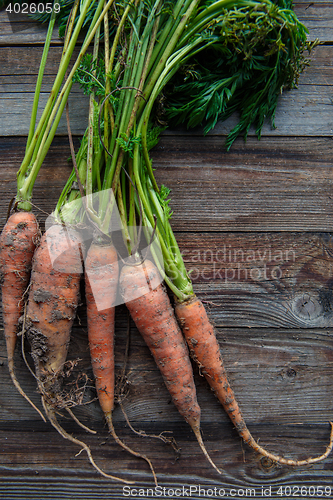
257	54
153	135
91	75
127	143
165	200
61	16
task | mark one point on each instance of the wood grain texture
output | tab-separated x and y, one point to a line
305	112
280	369
281	183
262	280
318	18
287	407
20	29
255	229
302	112
276	184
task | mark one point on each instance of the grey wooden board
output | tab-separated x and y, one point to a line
262	269
260	199
15	110
276	184
318	18
307	111
20	29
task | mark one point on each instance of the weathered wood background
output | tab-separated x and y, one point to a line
255	228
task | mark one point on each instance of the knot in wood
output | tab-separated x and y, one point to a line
307	306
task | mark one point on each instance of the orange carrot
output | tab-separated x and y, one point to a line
17	245
101	282
150	308
204	349
52	302
53	299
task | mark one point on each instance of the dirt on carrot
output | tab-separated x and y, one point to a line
151	311
204	349
53	298
101	282
17	245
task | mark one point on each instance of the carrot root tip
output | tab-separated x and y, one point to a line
74	417
197	433
290	462
54	422
112	431
21	391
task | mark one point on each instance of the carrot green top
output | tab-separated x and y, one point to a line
198	61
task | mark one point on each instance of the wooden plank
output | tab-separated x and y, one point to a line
49	183
289	373
264	363
318	18
276	184
26	60
256	279
17	77
306	3
20	29
17	90
83	484
303	112
260	363
270	280
248	223
319	71
16	109
18	61
88	488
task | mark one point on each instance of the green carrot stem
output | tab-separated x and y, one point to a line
90	150
40	78
118	33
142	55
24	188
70	26
171	67
212	12
122	214
50	102
160	263
179	278
119	119
169	48
132	71
117	171
107	108
131	204
167	33
25	193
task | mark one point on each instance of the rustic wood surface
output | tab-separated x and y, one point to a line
255	228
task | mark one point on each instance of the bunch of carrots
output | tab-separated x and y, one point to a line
139	51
